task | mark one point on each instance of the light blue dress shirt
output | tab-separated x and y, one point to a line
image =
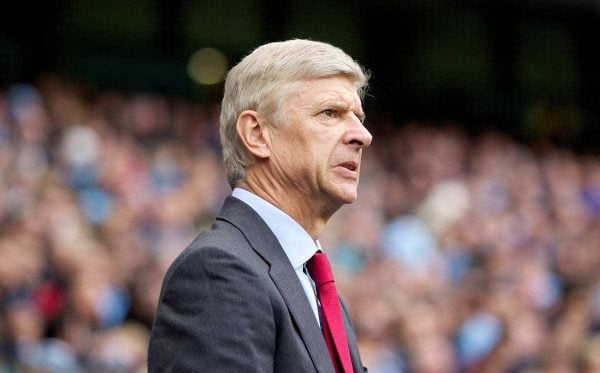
297	244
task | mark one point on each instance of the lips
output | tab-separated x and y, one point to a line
352	166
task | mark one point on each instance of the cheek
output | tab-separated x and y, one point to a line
295	158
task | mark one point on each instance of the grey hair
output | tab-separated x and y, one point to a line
266	78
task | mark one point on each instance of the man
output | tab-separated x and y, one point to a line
247	295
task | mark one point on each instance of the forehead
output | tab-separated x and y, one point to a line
338	89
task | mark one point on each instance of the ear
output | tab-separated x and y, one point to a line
253	132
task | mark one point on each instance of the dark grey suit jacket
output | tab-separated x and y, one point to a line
231	302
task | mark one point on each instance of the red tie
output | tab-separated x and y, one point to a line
331	313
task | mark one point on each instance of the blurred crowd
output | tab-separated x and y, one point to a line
465	252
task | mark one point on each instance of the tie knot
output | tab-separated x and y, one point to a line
319	269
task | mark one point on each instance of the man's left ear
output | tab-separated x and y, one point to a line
253	132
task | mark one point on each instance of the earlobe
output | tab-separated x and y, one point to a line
252	131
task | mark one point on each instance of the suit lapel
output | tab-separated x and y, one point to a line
264	242
298	305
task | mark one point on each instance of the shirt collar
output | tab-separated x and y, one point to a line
297	244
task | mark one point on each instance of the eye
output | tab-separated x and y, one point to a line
360	117
329	113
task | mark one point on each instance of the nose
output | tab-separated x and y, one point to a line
358	135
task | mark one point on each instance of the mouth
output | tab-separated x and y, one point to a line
350	165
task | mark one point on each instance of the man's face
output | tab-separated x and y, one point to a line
317	150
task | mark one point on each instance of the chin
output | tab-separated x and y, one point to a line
340	192
345	196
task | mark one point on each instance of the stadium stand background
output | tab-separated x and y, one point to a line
479	207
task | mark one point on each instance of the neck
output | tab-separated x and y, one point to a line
297	205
